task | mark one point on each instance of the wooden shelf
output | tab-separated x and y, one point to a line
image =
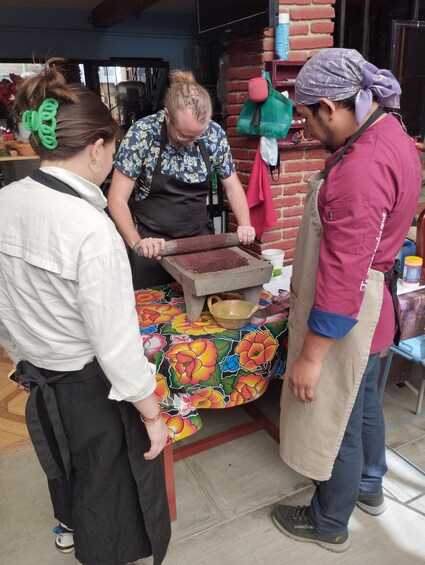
283	74
285	144
19	158
284	84
297	126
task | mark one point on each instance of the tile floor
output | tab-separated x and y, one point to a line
224	498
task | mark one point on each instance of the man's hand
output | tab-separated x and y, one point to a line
306	370
303	379
150	247
246	234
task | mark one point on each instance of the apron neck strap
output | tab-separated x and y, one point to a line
202	148
162	142
372	118
53	182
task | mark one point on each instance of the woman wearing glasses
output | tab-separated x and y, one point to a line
162	178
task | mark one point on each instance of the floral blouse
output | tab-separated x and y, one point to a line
139	151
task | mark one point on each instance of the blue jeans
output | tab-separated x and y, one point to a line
360	463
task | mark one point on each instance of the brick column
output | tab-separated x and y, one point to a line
310	31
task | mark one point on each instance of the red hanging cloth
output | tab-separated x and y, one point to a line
259	196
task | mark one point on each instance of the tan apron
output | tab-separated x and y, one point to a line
311	433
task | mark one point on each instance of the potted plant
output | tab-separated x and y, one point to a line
8	86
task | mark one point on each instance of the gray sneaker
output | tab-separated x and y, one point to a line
294	522
371	503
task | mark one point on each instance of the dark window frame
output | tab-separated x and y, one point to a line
363	11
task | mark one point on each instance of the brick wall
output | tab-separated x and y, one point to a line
311	28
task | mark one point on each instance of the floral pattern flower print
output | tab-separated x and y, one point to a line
248	387
208	397
193	362
153	344
205	324
155	314
179	427
201	365
256	349
148	295
161	390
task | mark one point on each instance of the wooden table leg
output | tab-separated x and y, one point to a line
170	484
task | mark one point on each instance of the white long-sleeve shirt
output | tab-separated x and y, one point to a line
66	294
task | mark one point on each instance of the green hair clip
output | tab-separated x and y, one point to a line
35	120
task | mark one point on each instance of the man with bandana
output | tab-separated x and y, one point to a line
342	313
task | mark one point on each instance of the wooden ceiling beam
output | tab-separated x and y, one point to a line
111	12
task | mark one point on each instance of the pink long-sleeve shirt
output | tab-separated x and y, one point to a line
366	205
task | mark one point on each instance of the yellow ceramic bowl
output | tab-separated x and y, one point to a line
231	314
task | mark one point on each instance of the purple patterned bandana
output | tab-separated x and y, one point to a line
338	74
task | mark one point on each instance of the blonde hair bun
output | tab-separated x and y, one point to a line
185	92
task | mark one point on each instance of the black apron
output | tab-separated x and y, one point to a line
172	209
91	449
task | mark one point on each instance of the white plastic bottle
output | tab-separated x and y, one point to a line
281	41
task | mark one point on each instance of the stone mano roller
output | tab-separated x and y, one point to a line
199	243
211	264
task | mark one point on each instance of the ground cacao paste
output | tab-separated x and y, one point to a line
212	261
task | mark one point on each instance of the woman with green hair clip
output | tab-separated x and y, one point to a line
68	321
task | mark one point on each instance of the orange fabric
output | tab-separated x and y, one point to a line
259	196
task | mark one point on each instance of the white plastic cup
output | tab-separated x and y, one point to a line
275	257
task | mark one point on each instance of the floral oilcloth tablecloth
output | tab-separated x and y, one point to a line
202	365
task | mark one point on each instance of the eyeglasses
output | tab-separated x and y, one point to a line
185	139
302	135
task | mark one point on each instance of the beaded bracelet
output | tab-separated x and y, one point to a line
149	421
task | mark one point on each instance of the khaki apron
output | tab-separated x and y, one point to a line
311	433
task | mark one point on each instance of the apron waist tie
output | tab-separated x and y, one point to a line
391	278
43	418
